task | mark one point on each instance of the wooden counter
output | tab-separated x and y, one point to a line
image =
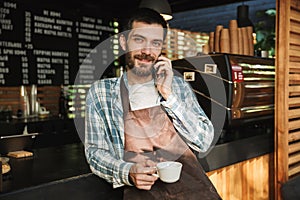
240	169
243	169
55	173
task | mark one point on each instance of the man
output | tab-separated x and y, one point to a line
146	116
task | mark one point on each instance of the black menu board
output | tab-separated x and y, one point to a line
45	44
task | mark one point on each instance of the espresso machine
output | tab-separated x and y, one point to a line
235	91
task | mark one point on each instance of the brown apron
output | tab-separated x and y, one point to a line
149	134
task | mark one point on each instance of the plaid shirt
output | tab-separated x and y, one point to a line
104	126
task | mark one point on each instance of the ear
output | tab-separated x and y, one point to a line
122	41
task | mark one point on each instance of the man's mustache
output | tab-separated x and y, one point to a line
144	56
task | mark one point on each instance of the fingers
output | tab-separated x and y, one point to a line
142	169
144	181
150	163
163	66
164	76
141	175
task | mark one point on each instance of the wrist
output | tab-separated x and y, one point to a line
166	95
130	180
126	174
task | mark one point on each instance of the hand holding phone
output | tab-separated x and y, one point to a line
163	75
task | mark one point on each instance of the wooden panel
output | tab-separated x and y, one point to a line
295	14
295	5
10	98
247	180
294	170
293	125
294	90
282	93
294	136
295	113
294	58
295	42
287	122
294	158
294	53
295	49
293	148
294	67
295	38
294	79
295	29
48	96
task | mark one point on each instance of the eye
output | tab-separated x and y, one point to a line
157	44
138	40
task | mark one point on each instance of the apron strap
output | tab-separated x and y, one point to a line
124	98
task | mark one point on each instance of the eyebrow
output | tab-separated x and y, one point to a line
138	35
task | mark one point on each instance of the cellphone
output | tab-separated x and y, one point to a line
154	72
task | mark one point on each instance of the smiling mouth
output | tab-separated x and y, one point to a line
145	61
144	58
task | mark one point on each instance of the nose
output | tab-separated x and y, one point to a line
146	48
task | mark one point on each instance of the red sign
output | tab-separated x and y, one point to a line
237	73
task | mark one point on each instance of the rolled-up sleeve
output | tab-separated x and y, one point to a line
100	151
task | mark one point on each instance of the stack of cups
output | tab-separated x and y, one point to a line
211	41
245	41
234	39
241	44
224	41
217	38
250	40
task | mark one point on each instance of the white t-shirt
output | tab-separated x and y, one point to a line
143	95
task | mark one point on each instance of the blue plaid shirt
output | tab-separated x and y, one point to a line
104	126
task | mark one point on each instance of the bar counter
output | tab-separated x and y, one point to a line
61	172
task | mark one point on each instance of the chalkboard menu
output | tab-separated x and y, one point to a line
46	44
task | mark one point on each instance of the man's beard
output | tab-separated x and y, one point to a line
143	70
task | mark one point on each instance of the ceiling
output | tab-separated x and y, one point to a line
185	5
193	15
205	19
124	7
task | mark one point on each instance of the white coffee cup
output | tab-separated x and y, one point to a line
169	171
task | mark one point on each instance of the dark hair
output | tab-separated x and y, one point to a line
148	16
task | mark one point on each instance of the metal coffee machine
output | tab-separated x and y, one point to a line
235	91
